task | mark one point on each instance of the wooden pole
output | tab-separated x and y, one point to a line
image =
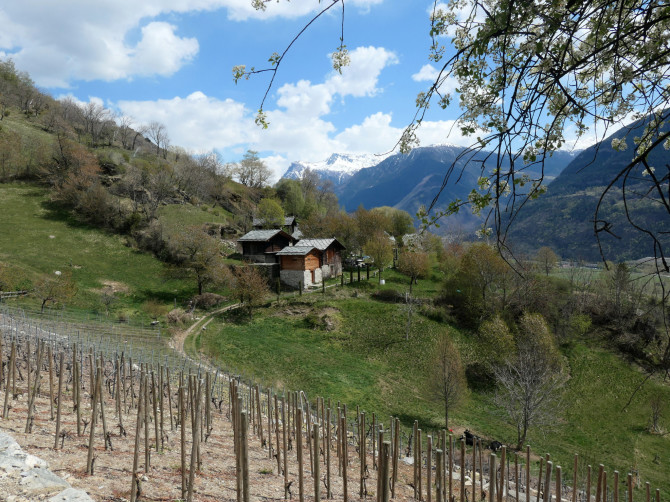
284	444
60	396
329	493
384	471
492	477
89	458
547	483
317	463
528	473
138	431
439	474
599	486
345	456
429	468
182	425
244	425
51	378
195	443
301	487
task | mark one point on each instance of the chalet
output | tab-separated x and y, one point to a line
262	246
290	225
300	264
331	255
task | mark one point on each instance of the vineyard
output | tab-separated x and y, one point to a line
127	418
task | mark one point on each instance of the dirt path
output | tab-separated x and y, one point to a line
177	341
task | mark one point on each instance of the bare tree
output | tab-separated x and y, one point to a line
250	287
157	133
252	171
447	383
529	383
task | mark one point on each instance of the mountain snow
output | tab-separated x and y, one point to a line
338	167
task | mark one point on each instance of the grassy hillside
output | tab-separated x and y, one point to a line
352	348
40	238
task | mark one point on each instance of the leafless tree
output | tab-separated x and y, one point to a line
157	133
252	171
529	383
447	382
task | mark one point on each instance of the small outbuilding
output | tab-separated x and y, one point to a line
331	255
300	264
262	246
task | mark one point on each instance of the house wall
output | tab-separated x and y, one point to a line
332	265
294	277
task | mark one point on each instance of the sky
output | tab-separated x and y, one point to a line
171	61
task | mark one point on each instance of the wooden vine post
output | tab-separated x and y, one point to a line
195	442
60	400
317	463
135	488
383	472
301	487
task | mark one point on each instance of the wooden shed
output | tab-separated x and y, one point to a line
300	264
331	255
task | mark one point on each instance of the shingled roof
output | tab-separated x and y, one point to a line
320	244
296	251
262	235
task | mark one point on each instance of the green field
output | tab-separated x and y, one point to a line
360	356
39	237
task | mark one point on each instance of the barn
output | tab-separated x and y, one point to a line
300	264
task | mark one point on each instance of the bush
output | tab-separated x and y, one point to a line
388	295
178	316
208	300
435	313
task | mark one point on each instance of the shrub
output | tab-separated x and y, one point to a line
387	295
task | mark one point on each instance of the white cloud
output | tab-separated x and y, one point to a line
427	73
58	42
197	122
299	126
160	51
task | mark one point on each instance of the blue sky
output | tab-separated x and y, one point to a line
171	61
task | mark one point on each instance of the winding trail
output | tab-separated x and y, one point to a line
177	341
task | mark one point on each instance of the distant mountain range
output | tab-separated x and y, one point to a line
563	217
407	181
338	168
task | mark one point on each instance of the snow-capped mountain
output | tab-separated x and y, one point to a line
338	167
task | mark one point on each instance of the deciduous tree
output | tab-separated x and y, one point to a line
251	171
546	259
447	378
413	263
250	287
271	213
380	249
529	383
56	288
199	253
